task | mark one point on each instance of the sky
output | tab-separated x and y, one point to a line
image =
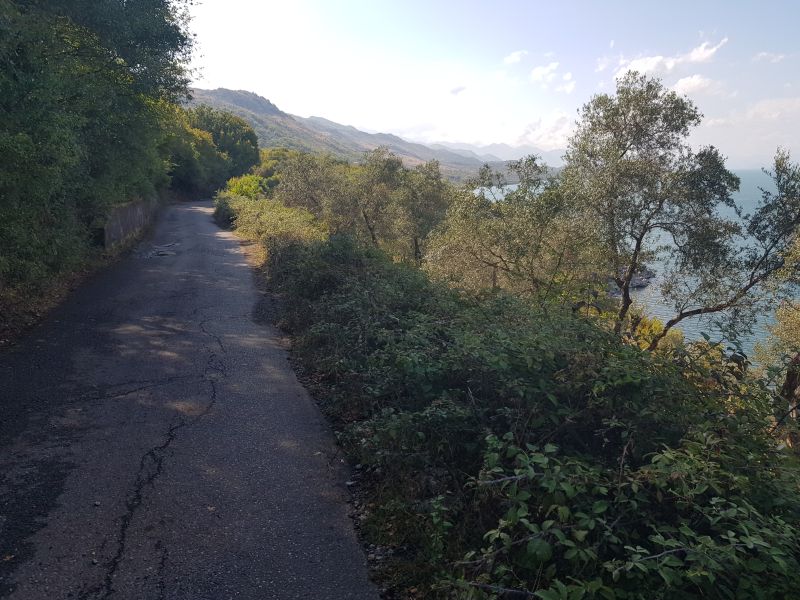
509	72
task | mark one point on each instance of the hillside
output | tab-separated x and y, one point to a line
315	134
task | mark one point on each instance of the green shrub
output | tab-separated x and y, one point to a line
85	91
517	451
531	451
707	518
264	219
249	186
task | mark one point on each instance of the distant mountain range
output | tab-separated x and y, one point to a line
276	128
504	152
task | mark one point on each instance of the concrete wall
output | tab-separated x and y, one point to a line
127	220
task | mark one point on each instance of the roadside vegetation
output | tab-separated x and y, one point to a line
91	93
522	430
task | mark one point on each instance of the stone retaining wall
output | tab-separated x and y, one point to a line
127	220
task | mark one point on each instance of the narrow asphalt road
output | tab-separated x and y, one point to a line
155	443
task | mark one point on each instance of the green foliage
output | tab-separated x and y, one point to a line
783	343
511	450
196	165
378	200
529	239
272	162
82	127
232	136
422	201
265	220
206	148
518	448
652	198
149	41
252	187
693	521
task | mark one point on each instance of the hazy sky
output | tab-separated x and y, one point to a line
512	72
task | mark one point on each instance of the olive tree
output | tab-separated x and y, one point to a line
655	200
526	238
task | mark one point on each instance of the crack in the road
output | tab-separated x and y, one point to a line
108	392
151	466
210	406
162	569
211	334
213	365
152	461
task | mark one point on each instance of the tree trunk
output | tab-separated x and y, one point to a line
370	228
790	393
623	309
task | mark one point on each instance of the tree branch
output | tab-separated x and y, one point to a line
707	310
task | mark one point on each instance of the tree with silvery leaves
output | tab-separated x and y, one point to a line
653	199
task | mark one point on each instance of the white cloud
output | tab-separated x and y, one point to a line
611	44
750	135
704	52
769	57
544	73
771	109
548	133
664	64
648	64
774	109
717	122
567	87
695	84
602	64
569	84
514	57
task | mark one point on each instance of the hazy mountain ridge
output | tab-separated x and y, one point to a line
414	152
317	134
249	101
506	152
467	153
273	127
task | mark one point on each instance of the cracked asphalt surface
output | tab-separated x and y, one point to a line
155	443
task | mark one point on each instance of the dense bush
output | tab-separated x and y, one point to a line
378	200
531	435
89	94
264	220
514	452
206	147
77	133
233	137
